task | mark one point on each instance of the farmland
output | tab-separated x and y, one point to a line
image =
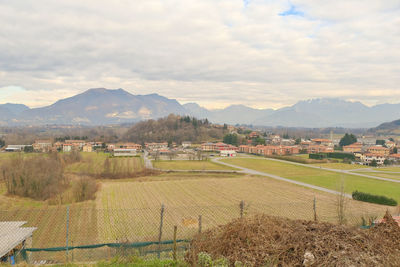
323	178
190	165
216	198
94	164
129	209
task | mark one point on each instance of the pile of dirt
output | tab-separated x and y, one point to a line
263	240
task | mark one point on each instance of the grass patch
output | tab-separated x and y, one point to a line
327	179
394	176
341	166
190	165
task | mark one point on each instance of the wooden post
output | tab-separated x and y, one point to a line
315	209
175	230
160	233
241	208
200	224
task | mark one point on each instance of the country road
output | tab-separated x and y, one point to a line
254	172
350	172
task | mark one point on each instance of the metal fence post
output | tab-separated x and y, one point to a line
67	235
241	208
200	224
161	227
315	209
175	230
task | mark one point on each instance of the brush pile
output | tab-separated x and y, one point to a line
263	240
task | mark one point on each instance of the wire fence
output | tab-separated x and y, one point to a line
81	234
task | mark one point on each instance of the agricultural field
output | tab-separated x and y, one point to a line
94	164
189	165
129	209
323	178
215	197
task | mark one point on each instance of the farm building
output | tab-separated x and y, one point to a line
228	153
124	152
13	238
16	148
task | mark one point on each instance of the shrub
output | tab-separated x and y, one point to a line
317	156
38	177
84	188
366	197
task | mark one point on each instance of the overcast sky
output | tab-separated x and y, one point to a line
264	54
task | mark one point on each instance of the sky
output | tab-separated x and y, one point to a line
260	53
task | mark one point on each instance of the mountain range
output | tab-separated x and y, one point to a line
104	106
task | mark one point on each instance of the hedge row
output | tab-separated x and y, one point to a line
373	198
335	155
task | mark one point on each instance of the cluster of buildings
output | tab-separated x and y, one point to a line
287	147
47	145
367	154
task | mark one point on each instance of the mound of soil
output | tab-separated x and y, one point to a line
263	240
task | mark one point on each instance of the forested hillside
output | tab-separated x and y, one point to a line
175	129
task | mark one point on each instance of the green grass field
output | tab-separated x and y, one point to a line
327	179
395	176
389	169
340	166
189	165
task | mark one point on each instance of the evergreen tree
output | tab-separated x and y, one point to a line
348	139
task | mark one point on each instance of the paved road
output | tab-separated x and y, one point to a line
147	161
329	169
254	172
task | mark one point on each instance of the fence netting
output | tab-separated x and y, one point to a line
82	234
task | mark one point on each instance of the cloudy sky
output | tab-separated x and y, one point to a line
261	53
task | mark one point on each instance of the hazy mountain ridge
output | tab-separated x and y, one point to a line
102	106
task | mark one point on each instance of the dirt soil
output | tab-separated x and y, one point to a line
263	240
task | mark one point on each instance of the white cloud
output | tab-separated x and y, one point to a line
215	53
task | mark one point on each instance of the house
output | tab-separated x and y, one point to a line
367	158
379	150
186	144
77	144
13	238
323	142
16	148
394	157
227	153
319	149
124	152
276	139
87	148
244	149
254	135
156	146
42	145
67	147
353	148
207	146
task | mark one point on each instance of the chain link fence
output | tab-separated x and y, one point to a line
81	234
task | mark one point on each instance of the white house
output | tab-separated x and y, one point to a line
228	153
368	158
